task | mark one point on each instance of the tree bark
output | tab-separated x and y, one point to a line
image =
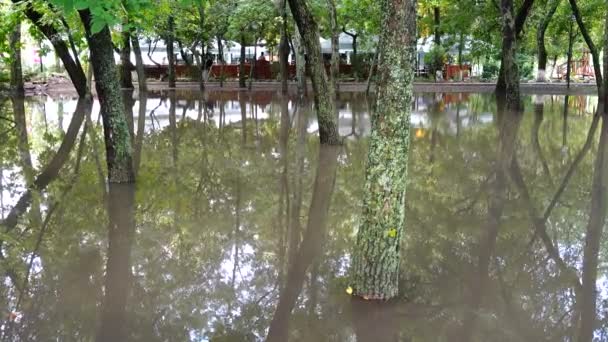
437	24
324	104
242	83
170	53
220	48
376	258
201	38
284	49
570	51
142	82
126	80
116	130
335	46
594	51
511	94
540	41
16	82
300	63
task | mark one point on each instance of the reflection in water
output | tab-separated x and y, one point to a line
236	231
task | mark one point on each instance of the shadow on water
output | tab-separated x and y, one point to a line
241	226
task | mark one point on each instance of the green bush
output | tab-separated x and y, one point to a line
435	59
490	71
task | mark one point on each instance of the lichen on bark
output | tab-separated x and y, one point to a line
377	256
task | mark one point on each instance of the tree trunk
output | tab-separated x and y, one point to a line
511	95
540	41
220	48
284	49
324	104
312	244
116	130
126	80
335	46
570	48
376	257
170	53
372	69
437	23
597	219
142	83
253	63
113	325
17	88
242	83
300	62
201	27
594	51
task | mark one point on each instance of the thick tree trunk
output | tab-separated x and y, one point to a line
540	41
593	237
116	130
300	63
594	51
142	83
126	80
170	53
437	24
324	104
312	243
113	325
335	46
17	88
376	257
511	94
242	82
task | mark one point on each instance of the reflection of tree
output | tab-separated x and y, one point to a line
312	243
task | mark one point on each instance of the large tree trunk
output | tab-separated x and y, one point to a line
376	257
312	243
242	82
593	237
16	70
540	41
170	53
594	51
126	80
324	104
142	83
510	95
335	46
113	325
300	62
116	130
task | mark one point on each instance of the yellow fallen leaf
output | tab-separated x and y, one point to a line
349	290
392	233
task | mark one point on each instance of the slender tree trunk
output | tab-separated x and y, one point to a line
511	95
142	83
220	48
201	27
372	70
253	63
116	130
540	41
570	48
376	257
284	49
324	104
126	80
242	83
437	24
593	237
17	88
335	46
113	325
170	53
594	51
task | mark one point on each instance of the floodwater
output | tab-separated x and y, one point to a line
241	227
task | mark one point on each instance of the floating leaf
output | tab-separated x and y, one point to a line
349	290
392	233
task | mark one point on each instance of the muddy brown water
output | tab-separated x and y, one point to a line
221	226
